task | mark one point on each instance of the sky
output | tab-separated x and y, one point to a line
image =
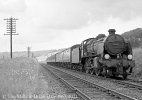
55	24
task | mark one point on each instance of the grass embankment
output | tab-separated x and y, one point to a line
18	76
138	63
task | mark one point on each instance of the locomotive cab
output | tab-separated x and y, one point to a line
86	48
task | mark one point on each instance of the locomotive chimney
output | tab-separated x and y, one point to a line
111	31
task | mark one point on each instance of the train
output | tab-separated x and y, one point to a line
108	56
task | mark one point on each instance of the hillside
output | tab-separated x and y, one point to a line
134	36
5	55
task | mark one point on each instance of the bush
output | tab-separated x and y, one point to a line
137	52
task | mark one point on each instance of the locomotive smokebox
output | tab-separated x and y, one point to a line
114	44
111	31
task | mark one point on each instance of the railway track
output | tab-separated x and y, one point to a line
88	90
133	85
134	81
128	83
81	95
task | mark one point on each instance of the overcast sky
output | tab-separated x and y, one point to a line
54	24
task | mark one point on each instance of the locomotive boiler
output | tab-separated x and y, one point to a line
107	56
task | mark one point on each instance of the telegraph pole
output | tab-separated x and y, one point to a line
11	30
28	51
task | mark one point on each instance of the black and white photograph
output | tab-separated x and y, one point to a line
70	50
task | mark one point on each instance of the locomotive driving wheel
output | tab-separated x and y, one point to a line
125	76
98	72
87	70
87	66
98	69
92	71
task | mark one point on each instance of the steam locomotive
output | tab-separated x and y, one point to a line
105	56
